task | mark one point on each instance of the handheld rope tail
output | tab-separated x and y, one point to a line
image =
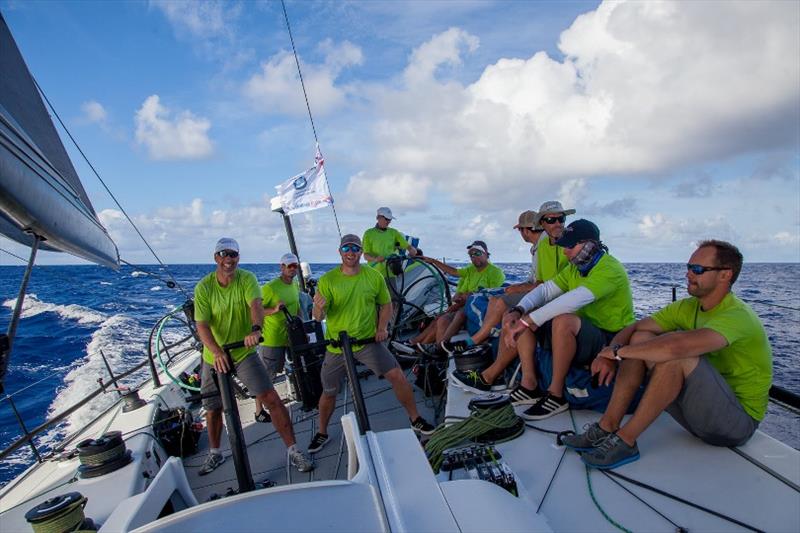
492	420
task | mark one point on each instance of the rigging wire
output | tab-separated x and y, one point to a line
308	107
14	255
103	183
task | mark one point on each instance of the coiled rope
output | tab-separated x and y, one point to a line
479	422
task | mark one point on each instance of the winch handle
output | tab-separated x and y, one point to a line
238	344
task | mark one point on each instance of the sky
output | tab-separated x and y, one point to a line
665	123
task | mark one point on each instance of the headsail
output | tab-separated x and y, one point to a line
40	192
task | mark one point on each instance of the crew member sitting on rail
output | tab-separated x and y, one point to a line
227	308
277	294
574	315
382	241
349	295
709	360
481	274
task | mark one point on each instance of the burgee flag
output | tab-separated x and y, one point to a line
306	191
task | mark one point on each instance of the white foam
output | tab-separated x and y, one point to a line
33	306
136	274
105	283
156	288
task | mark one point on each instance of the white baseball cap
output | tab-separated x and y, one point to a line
385	212
226	243
289	259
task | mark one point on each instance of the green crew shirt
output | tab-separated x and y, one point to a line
612	308
550	259
352	303
746	362
383	243
226	310
274	328
470	279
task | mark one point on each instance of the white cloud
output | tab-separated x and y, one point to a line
204	19
400	191
167	137
94	111
644	88
661	230
275	88
785	238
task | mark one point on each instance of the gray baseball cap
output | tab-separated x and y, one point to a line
385	212
226	243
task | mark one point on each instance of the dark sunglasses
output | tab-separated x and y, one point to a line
529	229
475	253
228	253
350	248
699	270
293	265
553	220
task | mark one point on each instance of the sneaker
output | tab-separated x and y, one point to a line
452	348
524	396
263	416
318	442
428	349
301	461
212	463
611	452
404	347
470	380
547	406
591	437
420	425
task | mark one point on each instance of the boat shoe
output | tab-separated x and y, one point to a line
592	435
611	452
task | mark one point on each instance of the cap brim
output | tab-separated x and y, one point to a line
567	242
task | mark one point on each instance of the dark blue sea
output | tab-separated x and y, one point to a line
73	313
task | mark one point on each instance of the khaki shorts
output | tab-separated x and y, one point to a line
709	410
273	358
250	370
375	356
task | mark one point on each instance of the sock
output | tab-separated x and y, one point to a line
470	342
214	451
291	449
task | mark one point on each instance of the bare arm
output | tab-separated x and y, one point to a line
373	258
318	311
256	319
384	315
207	338
447	269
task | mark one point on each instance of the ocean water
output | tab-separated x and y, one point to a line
73	313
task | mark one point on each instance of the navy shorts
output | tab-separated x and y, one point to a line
590	341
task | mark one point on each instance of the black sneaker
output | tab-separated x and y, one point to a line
420	425
263	416
470	380
547	406
524	396
318	442
452	348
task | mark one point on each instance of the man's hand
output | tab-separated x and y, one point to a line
319	303
515	329
606	353
378	258
604	369
253	339
221	362
381	335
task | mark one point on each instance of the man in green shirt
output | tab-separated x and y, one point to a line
574	314
481	274
382	241
349	297
709	361
277	294
227	308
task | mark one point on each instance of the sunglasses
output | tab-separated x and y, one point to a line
228	253
699	270
293	265
475	253
350	248
553	220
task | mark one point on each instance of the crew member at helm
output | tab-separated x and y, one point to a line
381	241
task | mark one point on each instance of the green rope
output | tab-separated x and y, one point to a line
161	362
68	520
478	423
591	489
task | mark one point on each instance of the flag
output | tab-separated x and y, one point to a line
306	191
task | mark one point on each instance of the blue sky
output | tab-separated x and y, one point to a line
665	123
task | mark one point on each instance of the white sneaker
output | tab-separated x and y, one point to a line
301	461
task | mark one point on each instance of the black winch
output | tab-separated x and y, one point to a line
102	456
61	513
476	358
306	352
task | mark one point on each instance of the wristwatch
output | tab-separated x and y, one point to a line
255	328
519	310
615	348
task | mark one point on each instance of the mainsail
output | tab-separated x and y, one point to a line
40	192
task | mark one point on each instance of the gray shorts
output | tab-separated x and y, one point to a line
250	370
512	300
273	358
375	356
709	410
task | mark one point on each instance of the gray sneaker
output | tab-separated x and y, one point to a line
212	463
301	461
592	435
611	453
